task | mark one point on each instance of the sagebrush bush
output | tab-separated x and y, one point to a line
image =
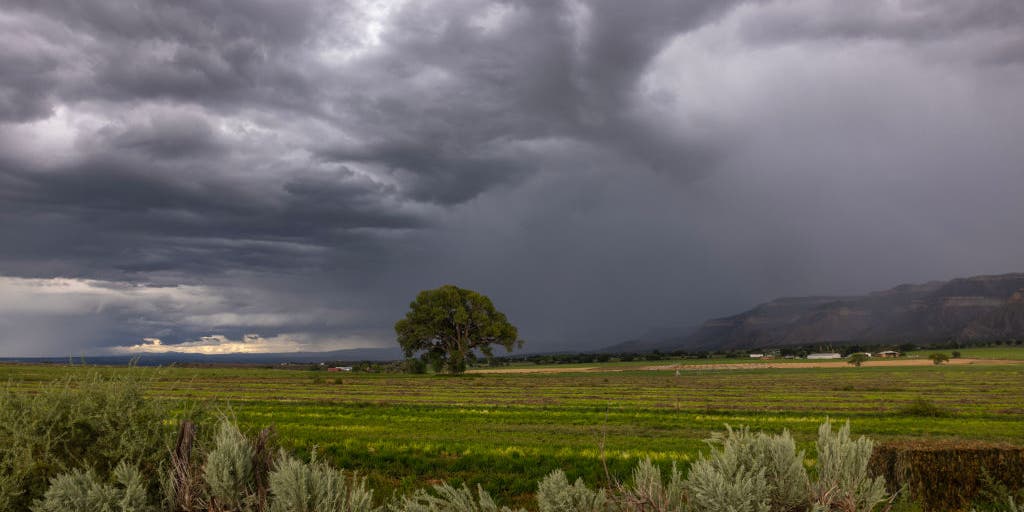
749	472
843	482
446	498
647	491
788	485
555	494
79	491
85	422
316	487
228	471
722	482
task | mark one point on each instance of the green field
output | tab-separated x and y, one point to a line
508	430
1014	352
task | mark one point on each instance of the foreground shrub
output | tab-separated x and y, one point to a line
229	470
649	492
555	494
85	422
83	491
749	472
843	483
446	498
316	487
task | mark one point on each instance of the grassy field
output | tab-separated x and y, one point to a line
1015	352
508	430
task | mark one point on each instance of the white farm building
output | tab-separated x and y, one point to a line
825	355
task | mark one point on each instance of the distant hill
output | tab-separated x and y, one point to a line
664	339
969	309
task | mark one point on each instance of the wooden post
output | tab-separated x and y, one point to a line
181	468
262	460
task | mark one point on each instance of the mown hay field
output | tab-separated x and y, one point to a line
506	431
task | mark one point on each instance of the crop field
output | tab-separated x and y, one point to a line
1014	352
506	431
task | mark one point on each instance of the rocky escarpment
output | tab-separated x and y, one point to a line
968	309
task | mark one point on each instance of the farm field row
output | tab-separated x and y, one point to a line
508	430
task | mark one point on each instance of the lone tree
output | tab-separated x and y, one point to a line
938	358
447	324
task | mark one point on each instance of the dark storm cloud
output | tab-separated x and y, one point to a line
133	213
435	175
553	70
911	21
443	124
29	71
227	168
208	51
168	137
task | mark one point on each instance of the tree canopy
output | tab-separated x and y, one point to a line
445	326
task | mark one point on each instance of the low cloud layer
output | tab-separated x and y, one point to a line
262	176
83	316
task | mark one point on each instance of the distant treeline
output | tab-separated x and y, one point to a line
800	351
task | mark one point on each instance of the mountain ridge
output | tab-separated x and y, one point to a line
976	308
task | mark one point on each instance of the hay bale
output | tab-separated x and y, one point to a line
948	475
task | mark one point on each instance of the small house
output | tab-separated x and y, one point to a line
888	353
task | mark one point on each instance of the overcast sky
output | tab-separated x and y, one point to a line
274	176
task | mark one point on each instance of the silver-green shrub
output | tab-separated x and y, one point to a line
228	471
784	470
843	483
555	494
446	498
647	491
83	491
316	487
721	482
749	472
